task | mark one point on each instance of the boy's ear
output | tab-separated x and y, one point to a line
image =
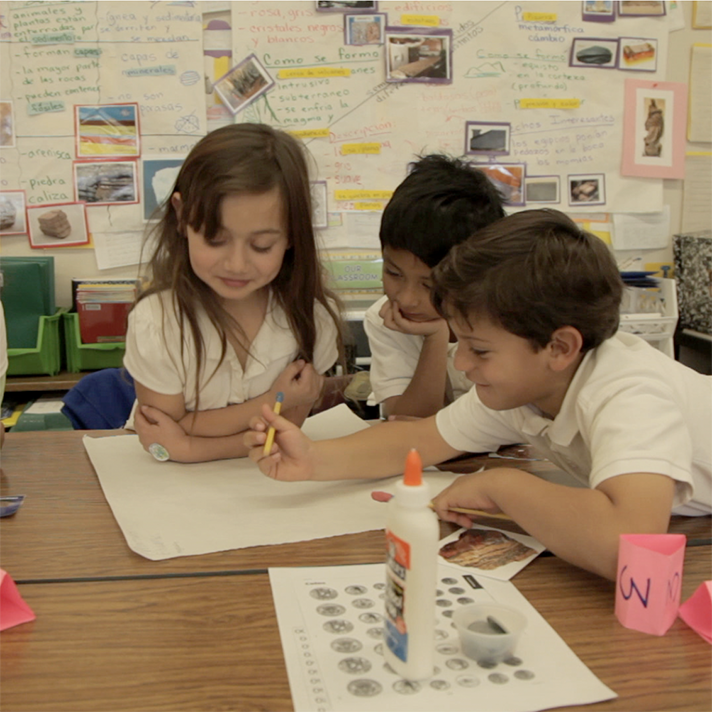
565	347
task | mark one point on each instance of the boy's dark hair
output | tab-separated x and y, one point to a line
532	273
439	204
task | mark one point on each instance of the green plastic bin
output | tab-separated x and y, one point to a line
89	357
45	358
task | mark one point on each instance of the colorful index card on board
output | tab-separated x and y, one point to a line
649	581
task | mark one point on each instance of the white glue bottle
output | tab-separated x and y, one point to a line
412	534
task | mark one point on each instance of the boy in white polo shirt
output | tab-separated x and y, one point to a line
534	302
440	203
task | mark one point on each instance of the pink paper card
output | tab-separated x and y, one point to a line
13	610
654	129
649	581
696	611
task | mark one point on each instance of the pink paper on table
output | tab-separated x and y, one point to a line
649	581
13	610
696	611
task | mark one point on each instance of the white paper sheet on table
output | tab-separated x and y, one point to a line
169	509
330	621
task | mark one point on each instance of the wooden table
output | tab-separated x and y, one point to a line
213	643
66	530
115	631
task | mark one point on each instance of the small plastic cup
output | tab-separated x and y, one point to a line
488	632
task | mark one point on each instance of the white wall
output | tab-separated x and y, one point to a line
81	262
678	70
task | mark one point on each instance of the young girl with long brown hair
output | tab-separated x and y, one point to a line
236	310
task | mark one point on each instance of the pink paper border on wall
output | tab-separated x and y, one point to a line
634	163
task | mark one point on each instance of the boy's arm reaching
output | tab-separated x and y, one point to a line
378	451
579	525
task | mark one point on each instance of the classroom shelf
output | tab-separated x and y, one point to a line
63	381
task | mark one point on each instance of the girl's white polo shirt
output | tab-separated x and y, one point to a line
153	354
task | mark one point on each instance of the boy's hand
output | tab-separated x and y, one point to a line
300	383
291	457
154	426
394	320
468	491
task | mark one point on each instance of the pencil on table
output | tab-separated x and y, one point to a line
477	513
379	496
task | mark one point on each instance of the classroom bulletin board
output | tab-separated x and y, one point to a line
533	92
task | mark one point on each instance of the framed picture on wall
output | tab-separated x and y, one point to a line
641	8
346	6
418	55
598	11
158	178
364	29
107	131
587	189
487	137
597	52
57	225
654	121
638	54
13	212
243	84
111	182
542	190
7	125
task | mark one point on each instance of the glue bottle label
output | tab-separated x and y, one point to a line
397	567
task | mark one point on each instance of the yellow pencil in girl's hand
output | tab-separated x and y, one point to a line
270	432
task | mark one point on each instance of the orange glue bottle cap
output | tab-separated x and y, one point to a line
413	475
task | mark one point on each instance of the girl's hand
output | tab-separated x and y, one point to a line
300	383
469	491
394	320
154	426
291	457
